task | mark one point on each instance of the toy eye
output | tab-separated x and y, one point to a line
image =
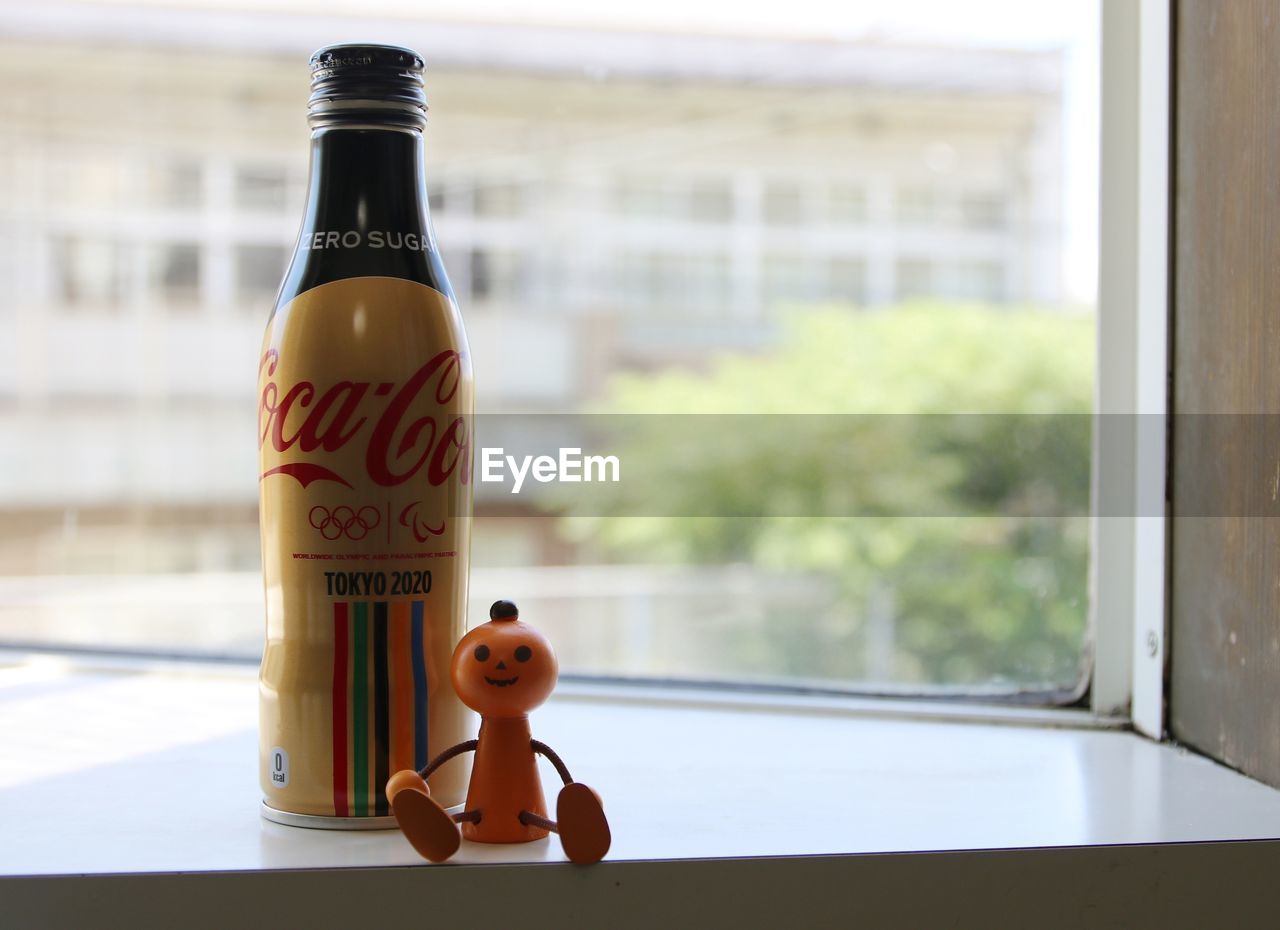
523	653
482	653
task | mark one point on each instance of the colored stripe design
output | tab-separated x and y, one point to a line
419	649
379	700
341	658
360	711
381	710
400	662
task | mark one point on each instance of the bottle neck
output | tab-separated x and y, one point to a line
367	212
367	179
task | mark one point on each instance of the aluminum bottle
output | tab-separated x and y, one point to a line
365	404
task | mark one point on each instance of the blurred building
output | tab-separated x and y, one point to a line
603	200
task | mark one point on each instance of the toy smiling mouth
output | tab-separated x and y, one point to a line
501	682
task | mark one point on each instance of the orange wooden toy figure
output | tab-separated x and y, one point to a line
502	669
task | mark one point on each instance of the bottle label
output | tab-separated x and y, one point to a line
364	430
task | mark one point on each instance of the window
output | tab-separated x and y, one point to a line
846	204
497	275
457	262
788	279
652	198
175	183
972	594
664	283
688	233
499	200
710	201
783	204
261	188
983	210
86	180
646	197
702	200
915	278
847	280
916	206
174	277
436	198
980	281
258	270
88	273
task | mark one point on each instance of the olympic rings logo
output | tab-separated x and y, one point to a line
344	521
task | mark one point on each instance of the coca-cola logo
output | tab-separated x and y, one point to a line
400	440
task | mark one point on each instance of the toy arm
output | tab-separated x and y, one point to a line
468	746
545	750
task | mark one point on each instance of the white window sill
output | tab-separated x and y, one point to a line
139	775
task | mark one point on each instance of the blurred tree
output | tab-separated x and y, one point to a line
940	480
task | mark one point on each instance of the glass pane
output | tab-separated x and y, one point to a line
436	198
915	278
983	210
86	179
783	204
858	218
650	197
982	281
258	272
701	199
846	204
88	273
174	184
261	187
788	278
664	284
174	277
497	199
917	206
710	201
497	274
847	281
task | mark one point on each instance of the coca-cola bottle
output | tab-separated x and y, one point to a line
365	405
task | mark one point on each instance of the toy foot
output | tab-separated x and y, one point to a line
406	778
428	826
584	831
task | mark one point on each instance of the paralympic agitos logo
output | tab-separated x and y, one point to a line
397	445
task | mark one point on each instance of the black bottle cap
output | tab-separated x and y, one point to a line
367	83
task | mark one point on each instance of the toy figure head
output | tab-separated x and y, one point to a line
504	668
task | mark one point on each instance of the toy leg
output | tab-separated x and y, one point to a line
427	825
584	831
580	821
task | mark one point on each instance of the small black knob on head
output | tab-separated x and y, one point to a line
504	610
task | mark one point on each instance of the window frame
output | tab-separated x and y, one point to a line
1129	552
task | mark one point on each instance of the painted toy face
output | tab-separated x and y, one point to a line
504	668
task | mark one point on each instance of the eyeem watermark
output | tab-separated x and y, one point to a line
570	466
